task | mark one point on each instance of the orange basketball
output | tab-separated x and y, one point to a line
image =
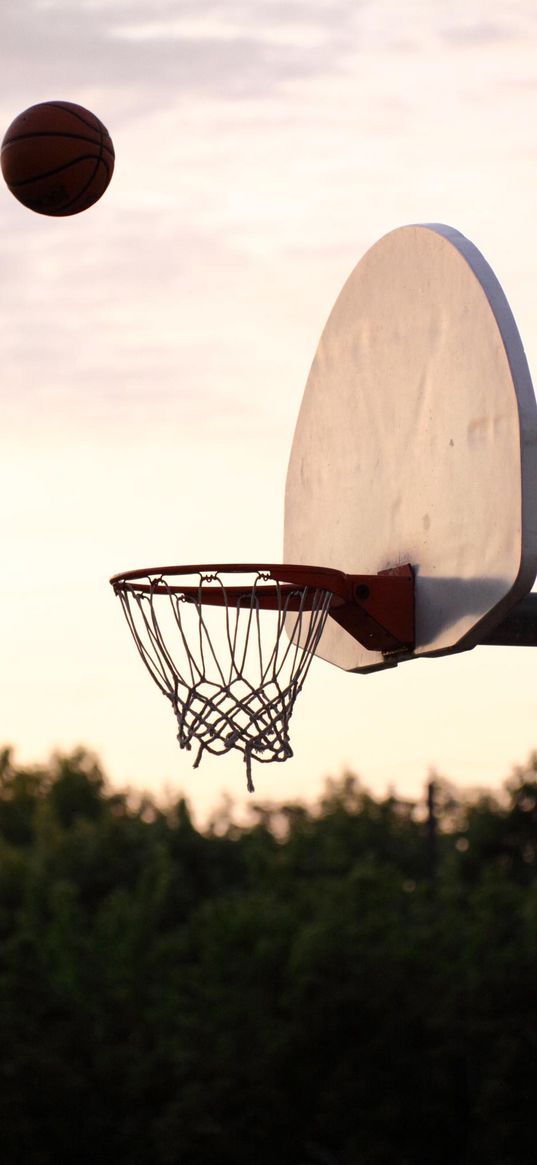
57	158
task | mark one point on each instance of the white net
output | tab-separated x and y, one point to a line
231	677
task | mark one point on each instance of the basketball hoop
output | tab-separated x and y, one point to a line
199	633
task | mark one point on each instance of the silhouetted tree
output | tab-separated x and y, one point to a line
298	988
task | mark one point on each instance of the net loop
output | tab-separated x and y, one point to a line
232	679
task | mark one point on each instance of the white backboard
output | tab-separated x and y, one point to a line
416	442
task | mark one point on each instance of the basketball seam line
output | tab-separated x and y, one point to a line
75	137
60	170
78	116
88	183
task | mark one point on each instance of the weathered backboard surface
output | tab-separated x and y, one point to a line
417	442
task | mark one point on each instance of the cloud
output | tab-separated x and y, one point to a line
231	49
485	25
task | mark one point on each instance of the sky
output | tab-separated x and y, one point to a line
155	348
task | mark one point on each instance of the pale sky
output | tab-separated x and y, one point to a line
155	348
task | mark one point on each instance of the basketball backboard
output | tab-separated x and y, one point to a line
416	443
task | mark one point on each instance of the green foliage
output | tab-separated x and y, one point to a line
350	984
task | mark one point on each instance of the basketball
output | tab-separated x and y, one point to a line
57	158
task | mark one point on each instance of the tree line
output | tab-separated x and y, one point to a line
348	983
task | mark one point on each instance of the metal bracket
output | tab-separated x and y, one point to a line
379	612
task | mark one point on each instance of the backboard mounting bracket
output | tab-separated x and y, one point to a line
380	610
